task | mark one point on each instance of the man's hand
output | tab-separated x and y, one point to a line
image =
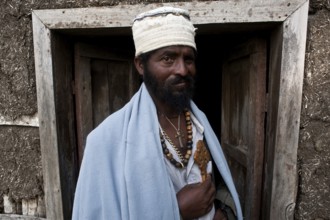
219	215
196	200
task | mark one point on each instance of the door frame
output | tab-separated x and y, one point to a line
53	66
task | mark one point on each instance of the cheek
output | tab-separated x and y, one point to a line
160	72
153	68
192	69
155	73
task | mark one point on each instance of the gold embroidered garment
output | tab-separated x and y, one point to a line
202	158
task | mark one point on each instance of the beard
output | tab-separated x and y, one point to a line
165	90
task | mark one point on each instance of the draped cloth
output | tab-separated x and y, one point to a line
123	174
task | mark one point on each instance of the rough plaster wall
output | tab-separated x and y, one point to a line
313	200
20	168
17	79
20	165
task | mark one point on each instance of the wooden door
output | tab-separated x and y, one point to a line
242	121
105	80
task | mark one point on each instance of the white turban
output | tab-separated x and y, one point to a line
161	27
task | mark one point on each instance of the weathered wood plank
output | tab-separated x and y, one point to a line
47	119
286	93
292	74
242	131
62	51
19	217
201	13
83	92
100	85
119	91
239	153
257	92
99	52
99	74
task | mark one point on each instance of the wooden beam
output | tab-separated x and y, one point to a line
47	119
62	53
211	12
286	80
20	217
84	104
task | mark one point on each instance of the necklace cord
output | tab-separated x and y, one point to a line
183	159
179	134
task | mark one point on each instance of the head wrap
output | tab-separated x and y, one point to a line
161	27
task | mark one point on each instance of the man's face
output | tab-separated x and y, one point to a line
169	75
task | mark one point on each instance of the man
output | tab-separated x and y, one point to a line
152	159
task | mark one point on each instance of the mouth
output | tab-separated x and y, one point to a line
180	81
181	85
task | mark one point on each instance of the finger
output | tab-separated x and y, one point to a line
212	198
211	194
209	185
209	177
206	209
219	215
208	182
209	208
209	190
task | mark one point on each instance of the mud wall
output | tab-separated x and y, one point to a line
313	200
20	166
20	160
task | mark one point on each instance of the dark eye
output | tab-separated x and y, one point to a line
189	60
167	59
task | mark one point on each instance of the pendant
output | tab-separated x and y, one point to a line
179	136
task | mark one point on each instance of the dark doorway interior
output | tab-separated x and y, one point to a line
212	49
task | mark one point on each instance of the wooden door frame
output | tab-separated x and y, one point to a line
288	22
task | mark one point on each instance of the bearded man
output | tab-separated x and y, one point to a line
154	158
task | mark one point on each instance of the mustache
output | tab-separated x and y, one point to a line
182	79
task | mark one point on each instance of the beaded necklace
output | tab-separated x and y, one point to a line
183	159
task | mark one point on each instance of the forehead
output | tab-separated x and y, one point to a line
177	49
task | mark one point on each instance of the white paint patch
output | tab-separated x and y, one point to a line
32	121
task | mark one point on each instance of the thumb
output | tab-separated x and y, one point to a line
208	180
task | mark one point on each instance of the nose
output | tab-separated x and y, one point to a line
181	67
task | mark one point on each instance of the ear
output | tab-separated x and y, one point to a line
139	65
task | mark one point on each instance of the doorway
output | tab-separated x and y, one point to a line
286	23
105	79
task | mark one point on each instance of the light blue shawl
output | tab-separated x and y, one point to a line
123	174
